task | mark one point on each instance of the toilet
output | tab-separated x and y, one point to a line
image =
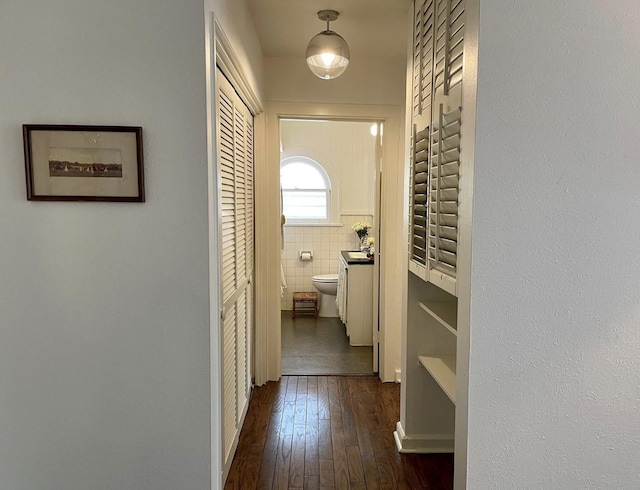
327	286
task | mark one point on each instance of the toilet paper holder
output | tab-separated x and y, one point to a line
306	255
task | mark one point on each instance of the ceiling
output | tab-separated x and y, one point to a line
370	27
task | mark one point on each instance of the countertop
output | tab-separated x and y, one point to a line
351	261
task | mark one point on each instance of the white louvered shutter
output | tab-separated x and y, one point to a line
420	195
226	170
229	374
241	356
235	176
449	46
443	192
241	195
423	62
249	197
435	146
422	101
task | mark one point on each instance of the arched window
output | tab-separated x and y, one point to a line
306	190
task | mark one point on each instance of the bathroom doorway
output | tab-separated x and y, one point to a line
330	186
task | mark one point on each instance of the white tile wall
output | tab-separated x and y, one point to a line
326	244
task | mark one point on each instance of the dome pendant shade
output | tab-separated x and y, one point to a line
327	53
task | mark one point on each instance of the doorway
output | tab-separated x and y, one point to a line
330	185
390	252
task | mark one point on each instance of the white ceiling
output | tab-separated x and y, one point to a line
370	27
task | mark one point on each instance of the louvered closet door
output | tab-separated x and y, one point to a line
435	147
235	178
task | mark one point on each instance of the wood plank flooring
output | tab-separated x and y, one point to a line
320	346
321	432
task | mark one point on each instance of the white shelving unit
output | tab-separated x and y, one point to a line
440	141
445	312
429	384
443	370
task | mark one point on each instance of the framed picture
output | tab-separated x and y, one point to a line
83	163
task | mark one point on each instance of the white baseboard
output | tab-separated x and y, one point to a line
398	376
422	443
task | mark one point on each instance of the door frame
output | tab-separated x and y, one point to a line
391	249
374	212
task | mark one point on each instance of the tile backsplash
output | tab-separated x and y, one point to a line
326	242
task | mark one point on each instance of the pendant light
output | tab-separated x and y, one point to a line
327	53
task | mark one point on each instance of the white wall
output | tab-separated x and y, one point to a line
235	20
554	397
366	81
104	307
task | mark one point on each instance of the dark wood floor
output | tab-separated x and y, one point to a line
320	346
316	432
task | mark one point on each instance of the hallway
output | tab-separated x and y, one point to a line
329	432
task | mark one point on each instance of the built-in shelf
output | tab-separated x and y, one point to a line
445	312
443	371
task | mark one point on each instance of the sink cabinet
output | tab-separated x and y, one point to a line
359	309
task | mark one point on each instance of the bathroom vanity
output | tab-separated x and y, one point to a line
356	284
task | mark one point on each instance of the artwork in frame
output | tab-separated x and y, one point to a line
83	163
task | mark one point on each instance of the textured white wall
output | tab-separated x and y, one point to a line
104	355
554	396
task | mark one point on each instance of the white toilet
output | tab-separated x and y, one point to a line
327	285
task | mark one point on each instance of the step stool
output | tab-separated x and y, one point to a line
305	303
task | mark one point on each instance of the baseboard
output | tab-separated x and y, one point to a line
422	443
